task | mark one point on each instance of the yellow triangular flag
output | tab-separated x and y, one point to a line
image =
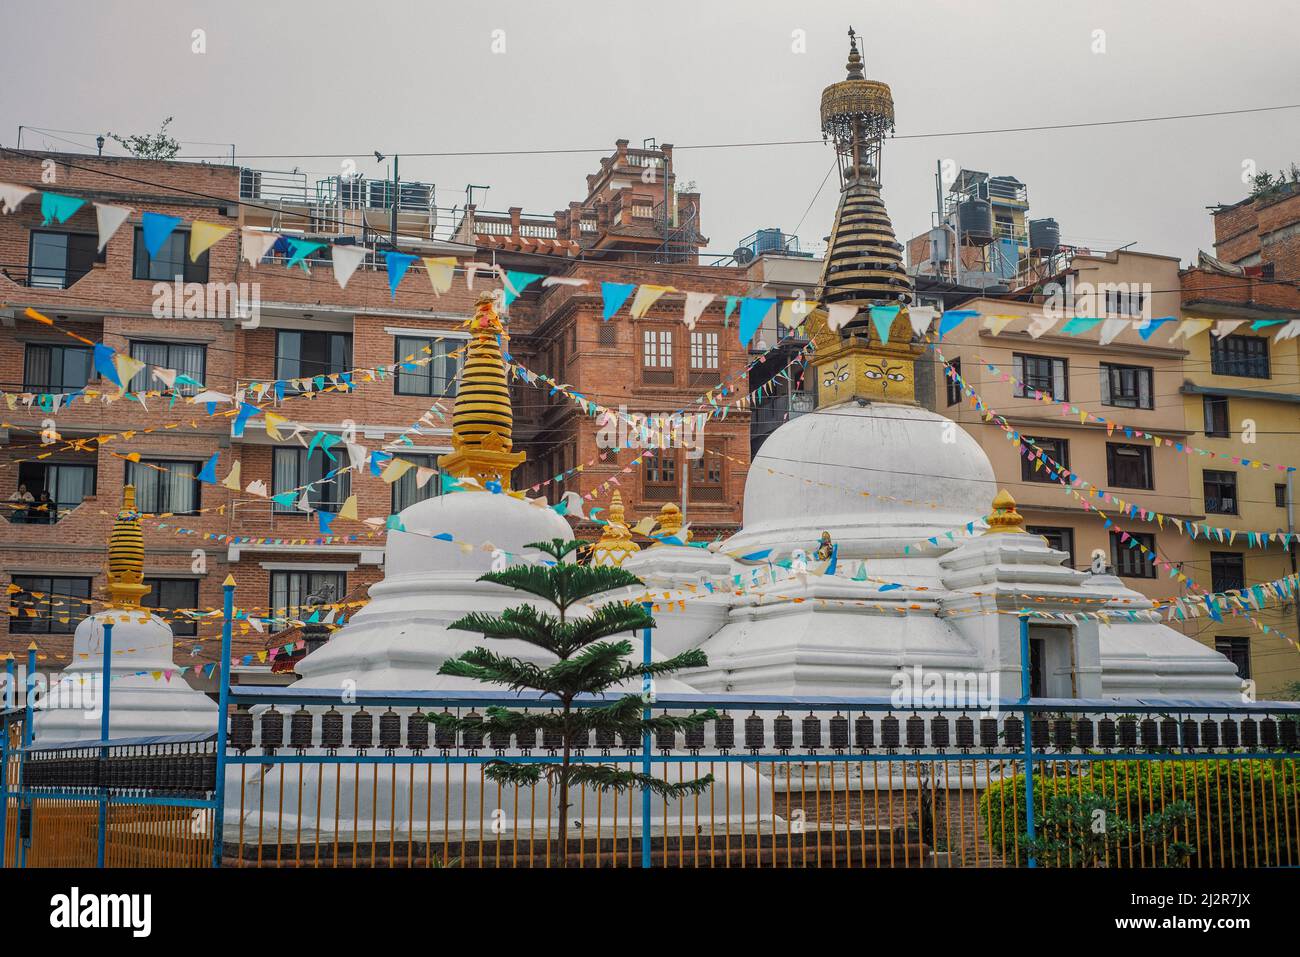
232	480
349	509
273	423
396	469
205	235
126	369
441	269
996	324
645	526
646	296
794	312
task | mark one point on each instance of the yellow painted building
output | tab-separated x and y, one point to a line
1241	397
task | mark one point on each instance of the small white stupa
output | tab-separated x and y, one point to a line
148	696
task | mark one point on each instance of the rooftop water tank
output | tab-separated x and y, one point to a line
975	218
1044	235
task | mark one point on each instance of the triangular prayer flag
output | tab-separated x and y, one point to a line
203	236
1149	326
1111	328
646	296
952	318
108	219
696	303
12	196
920	317
397	264
255	244
1079	325
346	259
441	269
614	295
752	313
882	317
838	314
126	369
299	250
231	481
209	471
58	208
396	469
349	508
156	228
516	282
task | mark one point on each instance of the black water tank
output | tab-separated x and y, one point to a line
1044	235
976	221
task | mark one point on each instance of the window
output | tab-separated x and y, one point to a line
661	475
1128	557
1124	301
1237	650
40	615
1061	539
437	377
706	475
188	359
68	484
57	260
607	335
172	261
704	350
1216	416
1221	492
658	352
1279	495
1240	356
164	485
406	491
304	355
293	468
1058	450
290	591
954	387
1126	386
1040	373
1129	465
55	368
169	593
1227	571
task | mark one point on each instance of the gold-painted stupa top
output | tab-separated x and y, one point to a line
863	266
1005	519
670	524
615	542
482	421
126	555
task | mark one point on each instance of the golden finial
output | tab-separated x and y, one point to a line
615	542
126	555
670	524
1005	519
482	420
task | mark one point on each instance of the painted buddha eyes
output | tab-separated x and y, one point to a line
838	373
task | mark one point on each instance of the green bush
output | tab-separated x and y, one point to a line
1243	813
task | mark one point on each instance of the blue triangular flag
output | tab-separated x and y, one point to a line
397	264
245	412
299	250
57	207
615	294
326	519
157	227
1146	328
731	307
882	317
209	471
286	499
756	556
752	312
103	359
395	523
953	318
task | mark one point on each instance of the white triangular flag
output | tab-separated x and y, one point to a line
1290	331
304	503
561	281
838	313
1225	327
256	487
346	260
696	303
1111	328
108	219
920	317
1041	324
357	455
255	244
166	376
11	195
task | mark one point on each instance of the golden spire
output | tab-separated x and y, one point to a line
615	542
670	525
126	555
863	266
1005	519
482	421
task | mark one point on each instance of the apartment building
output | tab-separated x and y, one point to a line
1241	394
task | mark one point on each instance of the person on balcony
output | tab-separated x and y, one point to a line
21	501
44	511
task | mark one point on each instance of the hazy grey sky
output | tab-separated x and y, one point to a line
349	78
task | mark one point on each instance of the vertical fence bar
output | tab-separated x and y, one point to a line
24	804
105	729
7	703
647	685
1025	688
223	703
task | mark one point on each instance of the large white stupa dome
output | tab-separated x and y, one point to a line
803	479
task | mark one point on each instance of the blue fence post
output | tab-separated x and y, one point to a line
29	687
647	692
9	701
1026	686
223	703
105	728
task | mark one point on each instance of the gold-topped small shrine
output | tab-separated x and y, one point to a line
126	555
615	543
482	421
670	525
863	266
1004	519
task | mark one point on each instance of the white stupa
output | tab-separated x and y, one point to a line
148	695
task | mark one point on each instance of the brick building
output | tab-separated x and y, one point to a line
621	231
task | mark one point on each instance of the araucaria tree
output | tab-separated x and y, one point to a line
588	664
